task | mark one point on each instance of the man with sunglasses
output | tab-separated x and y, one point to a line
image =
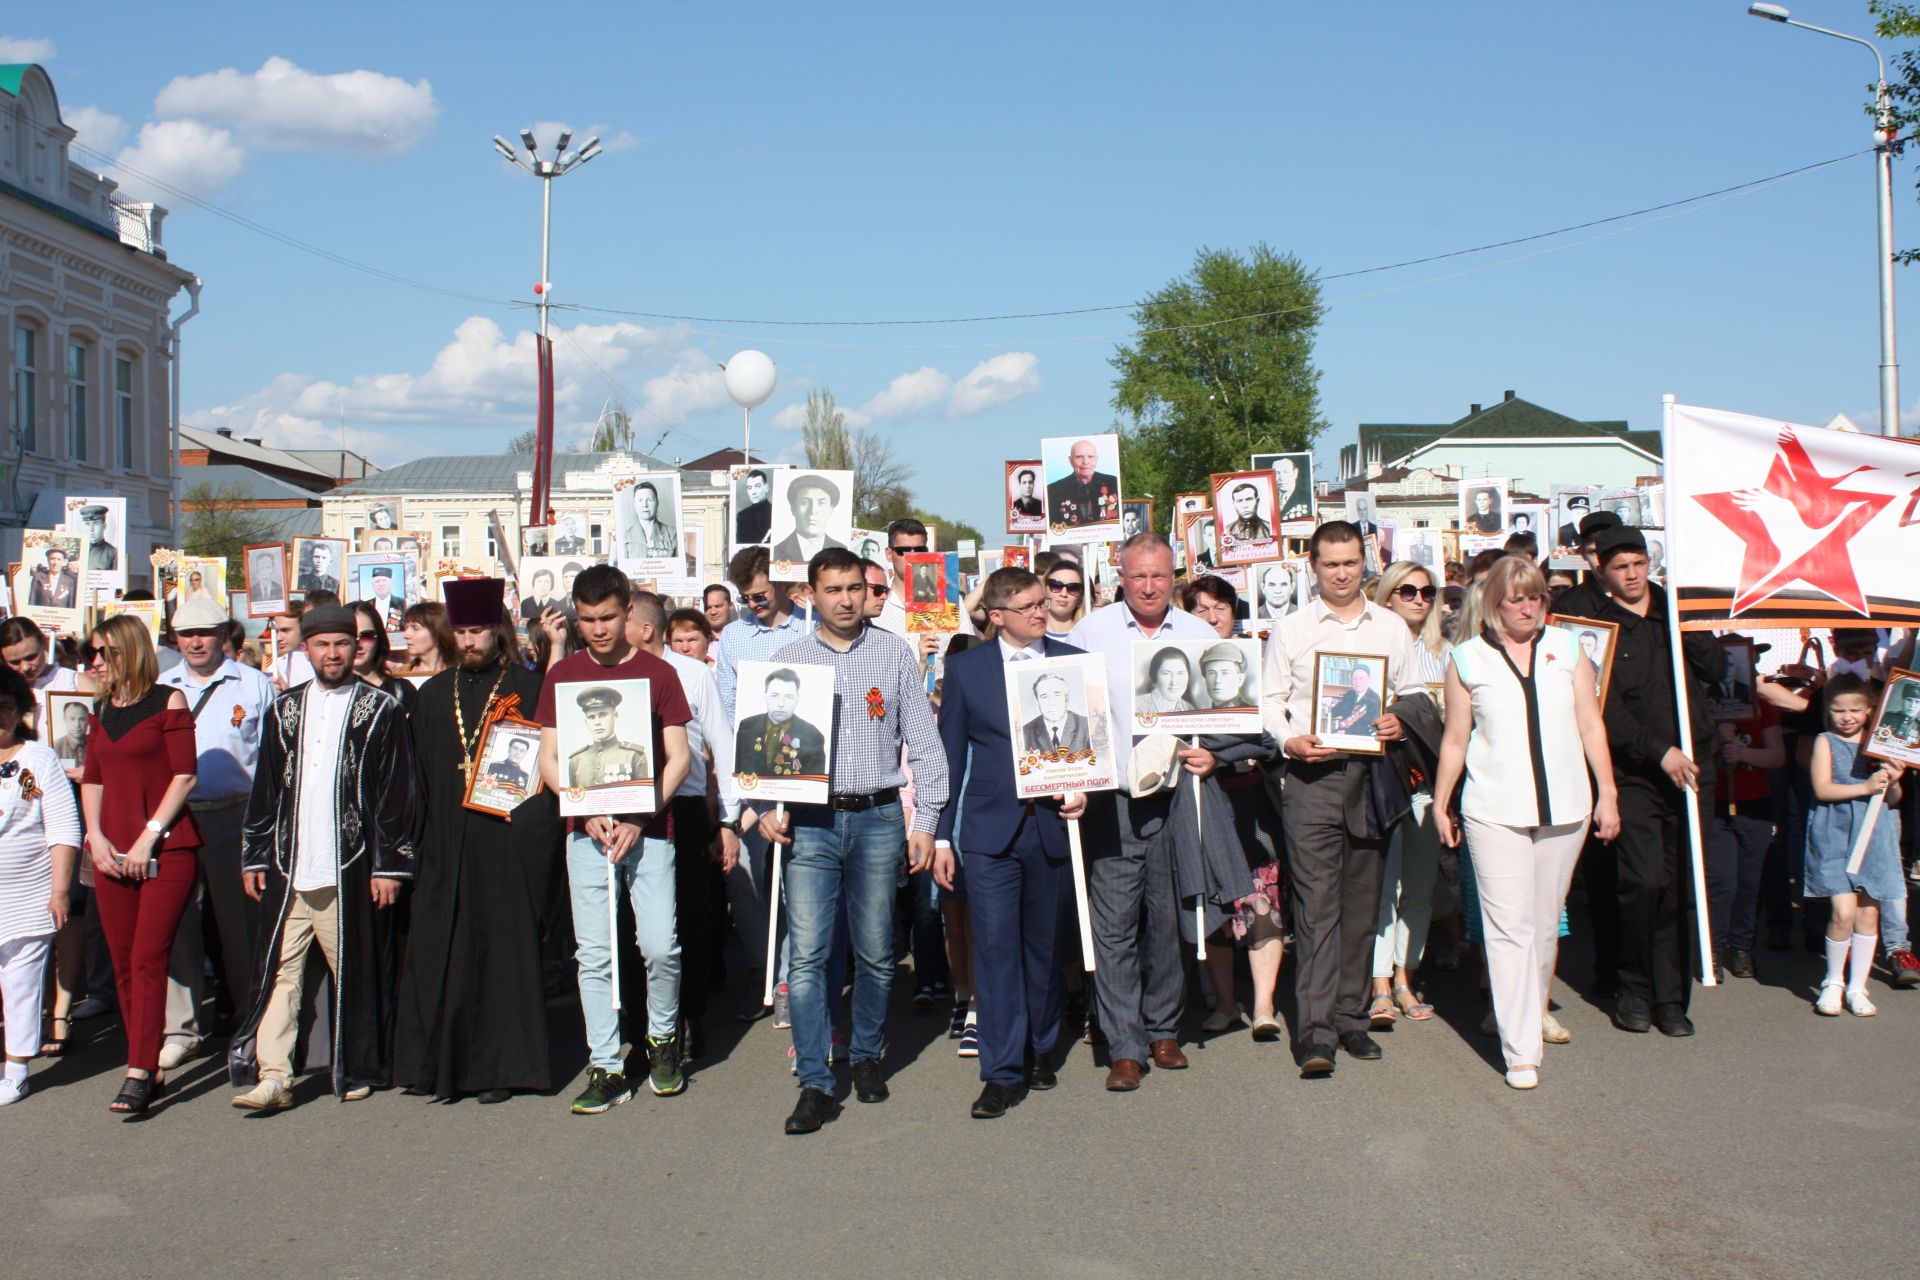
909	537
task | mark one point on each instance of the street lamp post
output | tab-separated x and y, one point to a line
564	161
1883	174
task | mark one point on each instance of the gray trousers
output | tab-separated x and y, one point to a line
1336	898
1139	986
235	915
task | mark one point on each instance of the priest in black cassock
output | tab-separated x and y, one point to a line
473	1016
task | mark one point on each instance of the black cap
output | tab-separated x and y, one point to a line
329	619
1618	538
1591	526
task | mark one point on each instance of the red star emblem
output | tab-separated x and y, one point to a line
1811	513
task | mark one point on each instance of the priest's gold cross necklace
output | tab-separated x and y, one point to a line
470	747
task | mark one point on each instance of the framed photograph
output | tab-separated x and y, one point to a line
1389	529
1063	735
201	578
1136	516
1278	590
570	534
646	525
751	493
50	585
544	581
930	599
1571	504
1243	507
1423	547
1370	555
1026	508
509	770
1534	519
534	540
1731	698
266	566
782	732
1196	686
1083	487
1198	536
1895	732
1627	502
318	564
1293	485
102	526
379	578
990	561
870	544
1596	640
812	510
1483	507
1656	553
66	728
1017	558
605	735
1361	511
1347	690
384	514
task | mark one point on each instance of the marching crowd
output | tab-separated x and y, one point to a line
233	814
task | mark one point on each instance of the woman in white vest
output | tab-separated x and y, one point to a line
1524	726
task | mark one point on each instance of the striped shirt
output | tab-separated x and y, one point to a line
868	730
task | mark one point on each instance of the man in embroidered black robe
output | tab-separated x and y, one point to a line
472	1012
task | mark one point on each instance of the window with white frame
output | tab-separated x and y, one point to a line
123	412
450	542
598	535
77	406
25	371
493	544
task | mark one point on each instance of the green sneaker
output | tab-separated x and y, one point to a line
605	1090
665	1079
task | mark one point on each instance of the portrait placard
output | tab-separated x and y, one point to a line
571	533
1196	686
927	594
535	539
605	748
509	767
1026	507
646	525
1017	558
102	526
1293	489
1278	590
379	579
870	544
1629	502
384	514
266	566
812	510
1244	503
1656	553
990	561
318	564
750	499
49	586
1361	511
1083	487
1596	640
1422	546
1572	503
1731	696
201	578
1533	519
1198	535
148	611
1895	732
66	727
1347	689
1063	736
782	732
1136	516
1483	506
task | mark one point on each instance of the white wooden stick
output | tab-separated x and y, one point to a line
613	927
1079	869
773	915
1200	900
1860	842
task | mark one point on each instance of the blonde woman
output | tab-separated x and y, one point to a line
1413	851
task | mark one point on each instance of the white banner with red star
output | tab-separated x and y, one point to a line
1772	524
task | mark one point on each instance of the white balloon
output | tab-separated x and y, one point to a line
750	379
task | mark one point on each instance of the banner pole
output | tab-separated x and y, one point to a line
1696	842
613	927
1080	893
1200	899
773	915
1861	841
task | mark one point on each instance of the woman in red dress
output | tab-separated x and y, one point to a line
141	838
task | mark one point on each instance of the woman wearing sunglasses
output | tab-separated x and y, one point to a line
370	653
1413	851
1066	597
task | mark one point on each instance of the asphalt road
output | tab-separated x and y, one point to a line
1773	1144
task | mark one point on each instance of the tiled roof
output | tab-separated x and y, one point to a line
241	450
1508	419
228	480
483	472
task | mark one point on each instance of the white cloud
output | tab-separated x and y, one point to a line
181	153
547	133
994	382
20	49
791	418
101	130
908	394
286	107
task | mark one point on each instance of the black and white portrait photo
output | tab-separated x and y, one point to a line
605	751
1422	546
1361	511
383	514
1293	488
1243	512
266	566
570	535
1026	511
1061	737
647	522
1196	686
318	564
1895	732
752	494
1483	506
1278	589
812	510
1136	516
102	526
1595	639
783	731
67	725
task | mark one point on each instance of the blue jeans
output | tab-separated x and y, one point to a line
852	858
647	874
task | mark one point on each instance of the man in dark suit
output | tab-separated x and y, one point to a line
812	499
776	743
1024	503
1087	496
55	584
1016	850
1056	726
319	575
755	517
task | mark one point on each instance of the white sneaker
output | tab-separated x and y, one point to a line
12	1091
1525	1078
268	1095
173	1056
359	1093
1827	1005
1858	1005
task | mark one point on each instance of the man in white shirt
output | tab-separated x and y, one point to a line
1334	855
1139	982
229	703
291	667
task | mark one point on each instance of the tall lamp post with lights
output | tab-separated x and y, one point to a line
1883	173
564	161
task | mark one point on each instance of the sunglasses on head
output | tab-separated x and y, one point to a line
1071	588
1409	592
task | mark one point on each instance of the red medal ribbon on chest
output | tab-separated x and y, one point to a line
239	715
876	704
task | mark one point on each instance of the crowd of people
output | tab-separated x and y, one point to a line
245	800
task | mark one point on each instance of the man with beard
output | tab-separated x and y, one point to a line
323	856
472	1012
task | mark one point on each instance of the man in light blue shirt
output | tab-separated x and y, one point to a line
1139	983
229	703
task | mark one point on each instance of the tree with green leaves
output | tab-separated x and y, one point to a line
1221	368
524	442
1898	20
217	520
879	479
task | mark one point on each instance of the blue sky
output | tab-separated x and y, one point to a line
881	161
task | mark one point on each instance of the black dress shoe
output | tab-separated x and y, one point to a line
1672	1020
1359	1044
1740	964
814	1109
867	1084
1041	1077
1317	1060
1630	1014
416	1091
993	1102
492	1097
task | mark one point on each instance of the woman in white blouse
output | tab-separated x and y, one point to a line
1523	724
39	842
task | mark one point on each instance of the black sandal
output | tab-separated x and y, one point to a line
53	1046
136	1095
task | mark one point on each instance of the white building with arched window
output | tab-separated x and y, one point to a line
89	343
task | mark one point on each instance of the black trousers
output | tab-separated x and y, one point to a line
692	902
1655	893
1336	899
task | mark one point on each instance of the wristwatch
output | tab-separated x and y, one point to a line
156	828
